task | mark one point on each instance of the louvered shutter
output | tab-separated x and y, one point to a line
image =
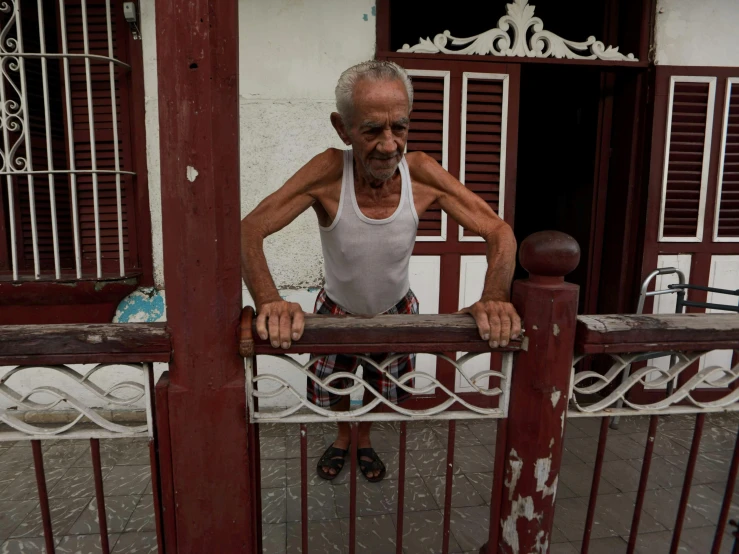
104	143
429	133
727	197
482	153
103	126
687	154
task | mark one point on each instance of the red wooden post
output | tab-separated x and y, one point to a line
539	389
197	50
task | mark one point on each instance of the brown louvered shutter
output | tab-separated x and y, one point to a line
103	126
429	133
727	209
484	119
687	153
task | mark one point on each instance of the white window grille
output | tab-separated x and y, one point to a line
65	166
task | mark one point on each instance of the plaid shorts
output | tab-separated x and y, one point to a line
327	365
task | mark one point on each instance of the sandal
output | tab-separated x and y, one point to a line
333	458
374	464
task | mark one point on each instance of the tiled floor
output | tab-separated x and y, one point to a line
328	502
69	478
127	484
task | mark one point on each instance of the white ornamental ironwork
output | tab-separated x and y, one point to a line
89	421
609	392
519	33
17	159
304	411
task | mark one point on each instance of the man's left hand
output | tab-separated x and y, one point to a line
497	321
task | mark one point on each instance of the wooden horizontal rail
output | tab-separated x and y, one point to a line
84	343
382	333
653	333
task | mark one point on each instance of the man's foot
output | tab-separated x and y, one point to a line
368	459
332	462
371	465
328	466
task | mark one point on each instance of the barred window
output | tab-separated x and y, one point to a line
67	206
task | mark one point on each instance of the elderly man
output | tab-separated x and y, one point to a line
367	200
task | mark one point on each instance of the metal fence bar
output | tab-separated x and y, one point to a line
694	448
93	149
43	495
11	198
68	172
497	488
164	455
304	486
71	56
353	491
151	416
70	141
97	472
448	487
156	496
28	161
728	497
114	109
256	447
643	480
47	122
596	484
402	451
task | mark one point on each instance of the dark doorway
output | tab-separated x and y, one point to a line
558	136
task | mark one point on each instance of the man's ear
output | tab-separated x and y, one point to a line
341	130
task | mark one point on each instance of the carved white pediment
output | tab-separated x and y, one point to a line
509	38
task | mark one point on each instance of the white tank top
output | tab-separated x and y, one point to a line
366	260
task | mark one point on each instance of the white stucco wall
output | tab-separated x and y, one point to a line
290	56
689	32
151	102
291	53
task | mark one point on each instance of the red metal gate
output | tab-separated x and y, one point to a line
530	425
208	435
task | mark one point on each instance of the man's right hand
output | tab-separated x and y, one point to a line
282	322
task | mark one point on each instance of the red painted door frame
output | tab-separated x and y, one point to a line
197	55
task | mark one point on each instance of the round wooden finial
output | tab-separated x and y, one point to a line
549	254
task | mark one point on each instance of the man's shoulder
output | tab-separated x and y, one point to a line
424	169
326	167
419	160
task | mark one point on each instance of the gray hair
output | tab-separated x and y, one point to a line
374	70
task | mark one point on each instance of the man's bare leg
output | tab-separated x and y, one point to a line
344	438
364	432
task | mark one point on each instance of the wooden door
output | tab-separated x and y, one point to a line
693	209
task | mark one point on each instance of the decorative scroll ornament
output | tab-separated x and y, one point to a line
13	157
590	384
122	394
424	385
511	38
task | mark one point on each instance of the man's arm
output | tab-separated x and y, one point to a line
496	317
277	319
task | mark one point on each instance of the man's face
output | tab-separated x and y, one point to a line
379	127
